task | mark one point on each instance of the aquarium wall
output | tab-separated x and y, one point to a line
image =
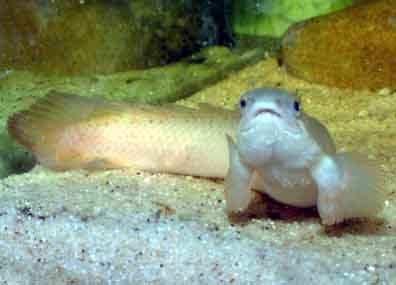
82	37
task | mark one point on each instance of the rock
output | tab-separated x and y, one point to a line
353	48
273	17
77	37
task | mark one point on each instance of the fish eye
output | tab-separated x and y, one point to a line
296	106
242	103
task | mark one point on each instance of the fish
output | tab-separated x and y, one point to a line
67	131
279	150
292	157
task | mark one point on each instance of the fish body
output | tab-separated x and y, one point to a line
292	157
279	149
67	131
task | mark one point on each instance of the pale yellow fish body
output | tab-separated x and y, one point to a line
279	150
66	131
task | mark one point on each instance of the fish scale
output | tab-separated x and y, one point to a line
280	150
67	131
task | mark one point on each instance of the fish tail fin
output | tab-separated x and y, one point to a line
40	127
16	128
33	128
349	186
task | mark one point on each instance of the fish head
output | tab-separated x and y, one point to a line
269	126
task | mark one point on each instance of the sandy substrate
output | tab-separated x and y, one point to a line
129	227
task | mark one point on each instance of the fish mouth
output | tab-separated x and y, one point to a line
267	111
257	113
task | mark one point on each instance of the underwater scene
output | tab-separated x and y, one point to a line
198	142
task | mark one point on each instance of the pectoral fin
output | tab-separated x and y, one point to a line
237	181
349	186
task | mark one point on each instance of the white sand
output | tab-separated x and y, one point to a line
123	227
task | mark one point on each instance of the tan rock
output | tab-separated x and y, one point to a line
352	48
